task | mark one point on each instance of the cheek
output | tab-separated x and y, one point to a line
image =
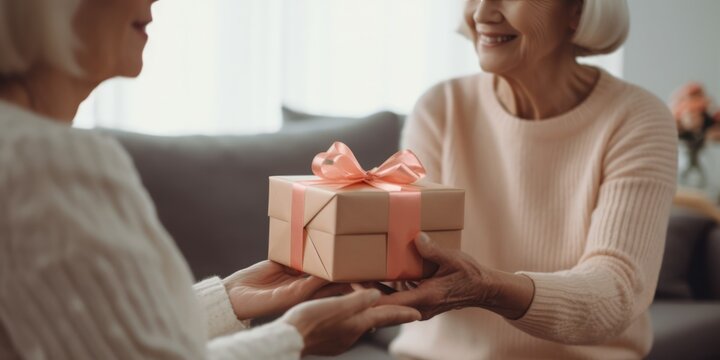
92	54
102	37
110	46
542	36
468	25
542	32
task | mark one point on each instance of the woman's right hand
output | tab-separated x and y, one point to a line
331	326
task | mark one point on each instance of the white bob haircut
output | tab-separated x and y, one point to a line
604	27
36	32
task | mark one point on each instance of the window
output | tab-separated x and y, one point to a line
227	66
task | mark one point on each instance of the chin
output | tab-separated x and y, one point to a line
132	70
491	67
495	66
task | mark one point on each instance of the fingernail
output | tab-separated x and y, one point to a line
414	315
424	238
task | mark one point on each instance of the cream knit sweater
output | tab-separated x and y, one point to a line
579	203
87	270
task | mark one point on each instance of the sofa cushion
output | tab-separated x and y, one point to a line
686	230
363	351
705	270
211	192
685	330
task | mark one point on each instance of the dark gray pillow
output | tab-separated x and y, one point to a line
294	120
686	230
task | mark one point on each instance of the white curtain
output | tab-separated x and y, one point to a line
227	66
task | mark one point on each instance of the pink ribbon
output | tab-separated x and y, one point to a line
339	167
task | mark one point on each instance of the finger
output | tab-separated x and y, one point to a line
429	250
385	289
292	272
412	298
389	315
313	283
265	264
268	267
339	307
280	268
356	302
332	289
288	270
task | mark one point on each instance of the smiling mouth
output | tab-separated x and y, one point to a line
496	40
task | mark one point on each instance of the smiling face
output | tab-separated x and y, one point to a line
112	37
519	35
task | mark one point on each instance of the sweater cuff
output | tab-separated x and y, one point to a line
552	304
219	314
277	340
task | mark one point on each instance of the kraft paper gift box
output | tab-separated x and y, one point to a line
356	230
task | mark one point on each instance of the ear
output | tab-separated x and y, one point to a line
576	9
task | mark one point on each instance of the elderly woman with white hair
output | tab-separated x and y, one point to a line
86	269
570	174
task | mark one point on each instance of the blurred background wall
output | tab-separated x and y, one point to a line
227	66
672	42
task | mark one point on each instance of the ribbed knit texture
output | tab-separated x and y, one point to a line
579	202
218	311
87	270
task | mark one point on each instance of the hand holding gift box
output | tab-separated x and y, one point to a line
346	224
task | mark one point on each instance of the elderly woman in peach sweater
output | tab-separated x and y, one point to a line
570	174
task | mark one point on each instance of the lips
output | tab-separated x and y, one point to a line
493	39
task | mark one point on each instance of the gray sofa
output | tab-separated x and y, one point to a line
211	195
686	310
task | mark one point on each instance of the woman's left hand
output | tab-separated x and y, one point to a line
268	288
461	282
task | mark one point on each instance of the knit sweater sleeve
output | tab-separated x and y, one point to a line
86	270
615	279
218	310
423	131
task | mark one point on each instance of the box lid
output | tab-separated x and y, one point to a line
361	208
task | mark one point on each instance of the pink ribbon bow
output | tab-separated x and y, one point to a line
338	166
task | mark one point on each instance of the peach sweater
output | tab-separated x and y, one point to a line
579	203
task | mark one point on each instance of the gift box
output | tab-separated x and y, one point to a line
346	224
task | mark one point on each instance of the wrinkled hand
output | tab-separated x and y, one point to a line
268	288
461	282
331	326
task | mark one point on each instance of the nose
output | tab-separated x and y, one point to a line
487	12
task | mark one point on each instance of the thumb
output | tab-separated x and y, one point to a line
354	303
390	315
429	250
340	307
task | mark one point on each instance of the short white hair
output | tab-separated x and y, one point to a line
604	27
36	32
